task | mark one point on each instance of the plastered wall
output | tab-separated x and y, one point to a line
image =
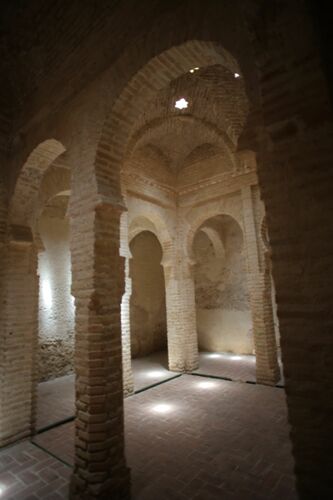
223	313
56	305
147	305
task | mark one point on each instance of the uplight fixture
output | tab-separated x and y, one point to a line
162	408
155	373
214	355
207	384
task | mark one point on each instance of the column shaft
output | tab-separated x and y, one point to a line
267	367
18	337
100	470
181	317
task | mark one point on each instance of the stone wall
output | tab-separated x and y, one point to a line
147	306
56	305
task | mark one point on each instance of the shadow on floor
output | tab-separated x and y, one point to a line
56	398
208	439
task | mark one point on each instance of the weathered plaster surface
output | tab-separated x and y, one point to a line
147	307
223	314
56	305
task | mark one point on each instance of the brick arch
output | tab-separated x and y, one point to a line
153	153
25	197
3	211
55	181
200	219
217	134
203	152
155	75
216	241
155	224
264	233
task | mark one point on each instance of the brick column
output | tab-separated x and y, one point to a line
18	336
100	470
128	381
259	282
181	315
295	174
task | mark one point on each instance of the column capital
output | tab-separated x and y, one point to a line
107	202
21	235
180	261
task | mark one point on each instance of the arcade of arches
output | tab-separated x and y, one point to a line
166	197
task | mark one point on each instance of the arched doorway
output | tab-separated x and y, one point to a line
224	322
22	287
289	141
223	311
56	315
148	322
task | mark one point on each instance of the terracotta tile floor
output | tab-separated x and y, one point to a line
150	370
146	371
28	473
209	439
189	438
55	400
222	364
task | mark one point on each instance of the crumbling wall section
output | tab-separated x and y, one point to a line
56	305
223	312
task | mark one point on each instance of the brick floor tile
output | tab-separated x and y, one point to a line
223	440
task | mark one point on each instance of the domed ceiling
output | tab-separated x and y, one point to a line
207	128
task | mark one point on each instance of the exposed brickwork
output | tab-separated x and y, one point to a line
128	382
54	181
251	420
3	212
99	448
267	366
20	285
19	338
27	472
297	145
22	206
182	338
273	48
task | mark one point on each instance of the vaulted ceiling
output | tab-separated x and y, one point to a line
208	128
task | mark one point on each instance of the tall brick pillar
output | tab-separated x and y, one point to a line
259	282
18	336
181	315
128	381
100	470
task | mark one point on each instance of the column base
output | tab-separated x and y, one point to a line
90	488
181	367
18	436
268	376
128	390
192	366
128	381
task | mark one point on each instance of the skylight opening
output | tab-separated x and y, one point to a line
192	70
181	103
236	75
